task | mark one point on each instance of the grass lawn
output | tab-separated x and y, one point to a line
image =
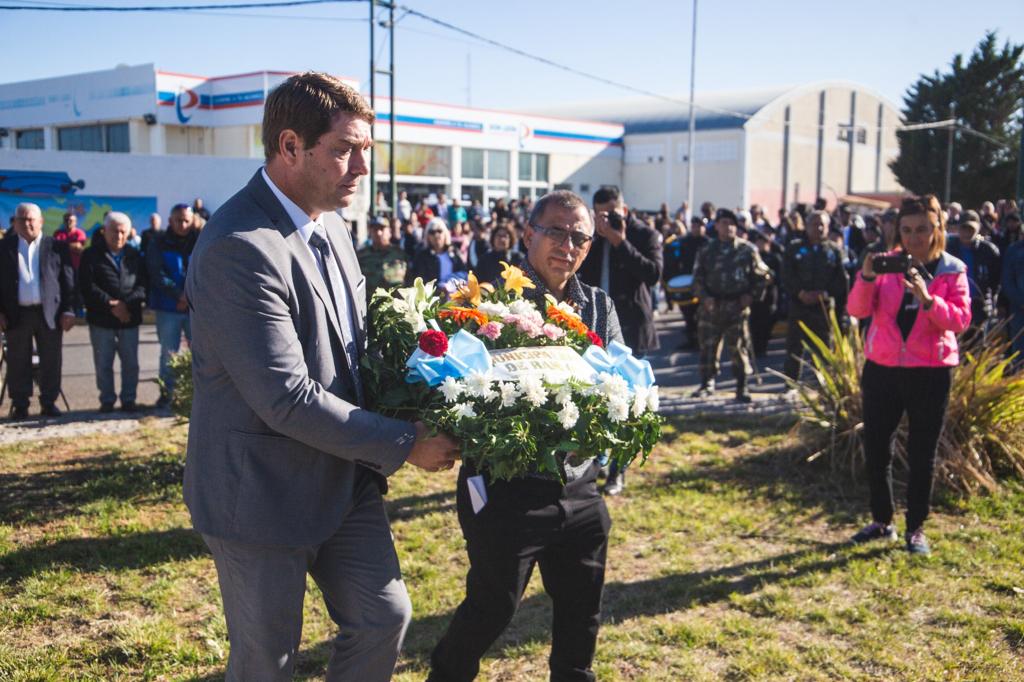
727	561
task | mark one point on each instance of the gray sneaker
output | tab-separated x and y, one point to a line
875	531
917	543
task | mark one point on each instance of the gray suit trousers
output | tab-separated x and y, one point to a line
263	587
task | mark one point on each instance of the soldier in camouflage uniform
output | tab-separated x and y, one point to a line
383	264
816	282
728	278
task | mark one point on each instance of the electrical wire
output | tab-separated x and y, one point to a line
171	8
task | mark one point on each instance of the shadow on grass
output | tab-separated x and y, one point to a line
46	495
414	506
133	551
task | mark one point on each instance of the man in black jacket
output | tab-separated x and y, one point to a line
625	261
984	267
37	288
113	288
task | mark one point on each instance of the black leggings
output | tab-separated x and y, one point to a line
888	392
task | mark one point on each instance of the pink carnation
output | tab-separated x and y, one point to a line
553	332
491	330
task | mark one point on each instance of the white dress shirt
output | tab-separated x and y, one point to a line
29	292
306	226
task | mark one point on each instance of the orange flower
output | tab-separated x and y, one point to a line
472	291
570	322
462	315
515	280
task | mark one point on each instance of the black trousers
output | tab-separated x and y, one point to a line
31	325
888	392
563	530
762	320
816	320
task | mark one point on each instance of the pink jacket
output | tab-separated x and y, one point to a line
932	340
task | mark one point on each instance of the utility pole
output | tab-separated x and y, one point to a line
390	73
690	138
949	153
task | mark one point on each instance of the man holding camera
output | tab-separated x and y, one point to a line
729	277
816	282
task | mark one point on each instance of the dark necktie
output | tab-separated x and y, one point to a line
336	288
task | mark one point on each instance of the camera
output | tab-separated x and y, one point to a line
898	263
615	220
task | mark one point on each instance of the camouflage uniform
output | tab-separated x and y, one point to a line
807	267
726	271
382	268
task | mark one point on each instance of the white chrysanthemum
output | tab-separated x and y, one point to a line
653	401
533	390
478	384
618	409
463	410
523	307
568	415
564	394
612	386
509	392
451	389
493	309
639	401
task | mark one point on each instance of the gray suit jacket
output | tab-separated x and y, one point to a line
276	444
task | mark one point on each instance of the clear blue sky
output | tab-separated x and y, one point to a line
742	44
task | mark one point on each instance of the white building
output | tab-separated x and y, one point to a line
139	132
773	147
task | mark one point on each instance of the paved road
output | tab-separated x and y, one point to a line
676	373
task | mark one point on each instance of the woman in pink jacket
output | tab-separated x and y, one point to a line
910	351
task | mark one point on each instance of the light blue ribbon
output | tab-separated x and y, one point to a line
466	353
619	360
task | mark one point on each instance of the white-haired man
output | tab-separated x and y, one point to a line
37	283
113	288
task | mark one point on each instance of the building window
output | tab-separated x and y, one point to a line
473	163
497	164
862	135
533	167
415	159
29	139
110	137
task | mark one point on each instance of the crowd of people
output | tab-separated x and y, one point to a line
46	282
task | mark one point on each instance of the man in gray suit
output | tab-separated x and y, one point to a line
285	472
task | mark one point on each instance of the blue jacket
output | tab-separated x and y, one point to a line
166	265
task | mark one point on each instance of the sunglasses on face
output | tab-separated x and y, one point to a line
557	235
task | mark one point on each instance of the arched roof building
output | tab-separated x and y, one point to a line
774	147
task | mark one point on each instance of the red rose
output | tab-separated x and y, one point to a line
434	343
595	339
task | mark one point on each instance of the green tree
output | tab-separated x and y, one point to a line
988	92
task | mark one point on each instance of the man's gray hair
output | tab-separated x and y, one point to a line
28	207
117	217
562	198
826	219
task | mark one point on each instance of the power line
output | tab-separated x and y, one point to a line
170	8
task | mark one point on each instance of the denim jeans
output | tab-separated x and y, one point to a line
125	343
169	327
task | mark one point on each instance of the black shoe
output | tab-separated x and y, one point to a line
19	413
50	411
706	390
744	398
615	484
106	408
163	401
130	406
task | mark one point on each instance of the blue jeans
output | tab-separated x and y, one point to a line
1017	334
169	327
125	343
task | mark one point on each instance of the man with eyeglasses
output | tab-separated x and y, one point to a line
538	519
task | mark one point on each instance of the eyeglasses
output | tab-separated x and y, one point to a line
435	231
578	239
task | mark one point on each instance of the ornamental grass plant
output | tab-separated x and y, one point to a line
981	445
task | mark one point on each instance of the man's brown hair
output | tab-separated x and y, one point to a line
307	103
